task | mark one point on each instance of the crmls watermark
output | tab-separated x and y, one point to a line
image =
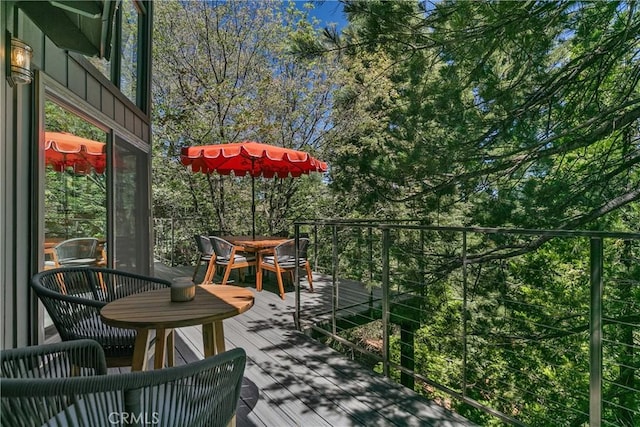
131	418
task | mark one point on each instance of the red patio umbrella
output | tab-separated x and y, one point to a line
65	150
251	158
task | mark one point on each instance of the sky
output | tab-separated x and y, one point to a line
327	11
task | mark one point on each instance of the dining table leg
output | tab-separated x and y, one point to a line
219	334
140	347
171	344
258	271
213	338
164	339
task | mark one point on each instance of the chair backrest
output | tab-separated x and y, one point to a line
202	393
204	244
99	284
221	247
287	250
73	297
78	248
63	359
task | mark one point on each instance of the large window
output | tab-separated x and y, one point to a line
125	66
129	48
75	181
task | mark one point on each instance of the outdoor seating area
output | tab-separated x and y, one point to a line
289	379
320	213
261	254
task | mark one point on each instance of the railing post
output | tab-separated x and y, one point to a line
370	240
173	240
386	241
296	276
334	273
595	334
464	312
315	247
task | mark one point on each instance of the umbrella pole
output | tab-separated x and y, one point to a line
253	207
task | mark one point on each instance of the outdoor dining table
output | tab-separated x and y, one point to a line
260	245
155	310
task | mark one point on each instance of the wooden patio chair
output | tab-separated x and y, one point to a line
229	256
284	260
205	254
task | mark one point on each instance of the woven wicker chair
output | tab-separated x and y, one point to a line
38	388
73	297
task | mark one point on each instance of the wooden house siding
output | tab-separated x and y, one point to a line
19	245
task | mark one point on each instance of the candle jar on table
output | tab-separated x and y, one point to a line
182	289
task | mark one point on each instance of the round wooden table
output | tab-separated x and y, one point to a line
155	310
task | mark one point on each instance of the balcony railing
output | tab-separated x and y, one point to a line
530	327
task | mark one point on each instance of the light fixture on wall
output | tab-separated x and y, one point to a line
20	62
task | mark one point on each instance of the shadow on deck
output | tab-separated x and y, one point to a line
293	380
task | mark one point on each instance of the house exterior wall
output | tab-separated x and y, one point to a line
21	126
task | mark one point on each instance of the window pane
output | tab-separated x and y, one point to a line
75	193
75	188
131	209
129	50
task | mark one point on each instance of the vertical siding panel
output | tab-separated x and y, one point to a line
138	126
107	103
129	120
119	112
94	92
77	79
55	62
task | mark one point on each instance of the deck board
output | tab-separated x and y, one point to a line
293	380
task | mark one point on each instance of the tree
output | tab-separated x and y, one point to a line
223	73
520	114
527	110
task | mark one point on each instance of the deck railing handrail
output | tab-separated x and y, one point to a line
389	275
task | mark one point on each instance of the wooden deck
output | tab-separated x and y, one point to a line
293	380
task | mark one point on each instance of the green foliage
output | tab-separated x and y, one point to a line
506	114
224	73
511	113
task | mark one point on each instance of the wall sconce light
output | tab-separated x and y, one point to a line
21	62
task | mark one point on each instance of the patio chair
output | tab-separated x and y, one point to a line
284	260
205	253
63	359
202	393
228	256
73	297
81	251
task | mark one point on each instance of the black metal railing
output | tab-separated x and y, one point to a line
534	327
